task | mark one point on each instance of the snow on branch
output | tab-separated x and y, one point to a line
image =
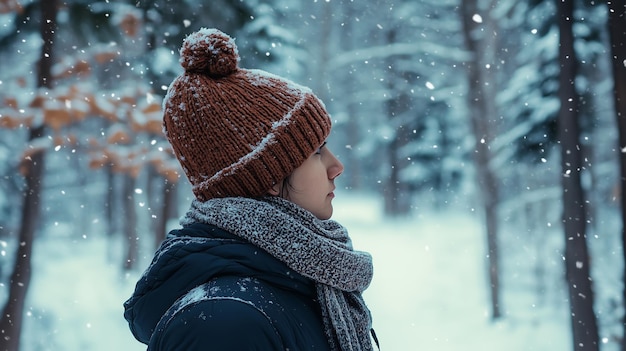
394	49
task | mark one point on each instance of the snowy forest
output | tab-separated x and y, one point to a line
500	118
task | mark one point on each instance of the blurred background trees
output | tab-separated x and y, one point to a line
438	105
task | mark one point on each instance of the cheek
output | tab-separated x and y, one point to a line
316	175
309	178
306	172
303	181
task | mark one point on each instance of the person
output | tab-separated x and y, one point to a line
257	263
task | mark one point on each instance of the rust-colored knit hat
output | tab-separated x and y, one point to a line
237	132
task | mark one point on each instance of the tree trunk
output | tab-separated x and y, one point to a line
584	327
617	33
12	314
396	192
480	43
130	223
353	177
168	212
109	206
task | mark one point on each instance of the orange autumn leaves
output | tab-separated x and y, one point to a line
131	139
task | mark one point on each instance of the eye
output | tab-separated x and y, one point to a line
319	150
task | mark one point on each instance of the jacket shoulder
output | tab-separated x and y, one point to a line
227	313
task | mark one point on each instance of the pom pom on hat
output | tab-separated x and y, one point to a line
236	131
211	52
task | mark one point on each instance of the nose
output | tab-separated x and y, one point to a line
335	167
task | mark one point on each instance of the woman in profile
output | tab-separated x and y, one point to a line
257	263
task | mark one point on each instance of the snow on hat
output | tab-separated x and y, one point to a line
235	131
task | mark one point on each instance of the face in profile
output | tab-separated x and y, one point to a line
312	186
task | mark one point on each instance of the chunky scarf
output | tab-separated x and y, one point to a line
318	249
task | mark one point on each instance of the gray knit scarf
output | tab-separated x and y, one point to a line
318	249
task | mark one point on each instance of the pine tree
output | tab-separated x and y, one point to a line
617	33
480	42
583	319
12	313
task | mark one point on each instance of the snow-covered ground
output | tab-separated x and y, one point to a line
430	290
428	293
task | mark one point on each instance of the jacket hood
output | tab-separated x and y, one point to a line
192	256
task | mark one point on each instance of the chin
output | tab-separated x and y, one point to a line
326	215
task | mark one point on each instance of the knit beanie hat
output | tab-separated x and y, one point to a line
235	131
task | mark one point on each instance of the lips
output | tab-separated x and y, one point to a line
332	194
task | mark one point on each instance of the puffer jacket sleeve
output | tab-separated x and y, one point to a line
218	325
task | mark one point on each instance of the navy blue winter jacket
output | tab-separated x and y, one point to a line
244	299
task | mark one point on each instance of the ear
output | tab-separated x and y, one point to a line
274	190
